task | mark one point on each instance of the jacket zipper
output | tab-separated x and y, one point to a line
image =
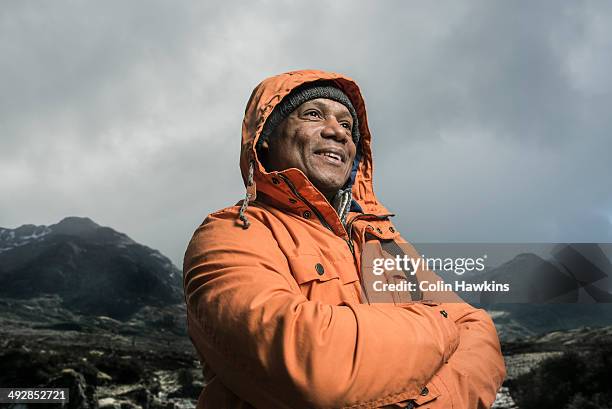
316	212
349	228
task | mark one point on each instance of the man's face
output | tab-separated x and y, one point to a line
315	138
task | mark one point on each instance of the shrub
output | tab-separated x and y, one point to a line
569	381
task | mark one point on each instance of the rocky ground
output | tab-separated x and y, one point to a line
525	355
149	362
146	362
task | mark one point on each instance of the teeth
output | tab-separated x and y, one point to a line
332	155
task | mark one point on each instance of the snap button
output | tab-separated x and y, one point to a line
320	269
425	391
307	214
444	313
378	229
292	201
369	227
275	181
391	229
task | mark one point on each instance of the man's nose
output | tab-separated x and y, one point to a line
334	130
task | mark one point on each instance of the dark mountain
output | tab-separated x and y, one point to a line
94	269
572	273
549	294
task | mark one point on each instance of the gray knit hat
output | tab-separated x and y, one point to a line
301	94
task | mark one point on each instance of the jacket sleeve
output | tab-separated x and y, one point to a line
476	370
276	349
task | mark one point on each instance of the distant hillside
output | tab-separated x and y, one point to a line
548	293
94	269
516	321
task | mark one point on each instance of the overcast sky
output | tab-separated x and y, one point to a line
490	121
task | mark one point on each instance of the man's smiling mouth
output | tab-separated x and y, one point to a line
331	155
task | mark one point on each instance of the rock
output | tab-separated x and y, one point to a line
503	400
103	377
140	395
81	395
130	405
108	403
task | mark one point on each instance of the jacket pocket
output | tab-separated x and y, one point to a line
428	394
310	268
322	280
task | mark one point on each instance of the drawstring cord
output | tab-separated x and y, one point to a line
247	197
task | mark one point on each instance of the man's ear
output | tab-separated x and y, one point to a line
263	153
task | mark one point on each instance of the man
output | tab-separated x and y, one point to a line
276	303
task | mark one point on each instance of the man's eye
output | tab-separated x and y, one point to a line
314	114
347	125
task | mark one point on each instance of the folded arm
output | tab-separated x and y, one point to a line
274	348
476	370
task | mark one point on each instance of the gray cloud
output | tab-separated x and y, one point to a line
490	120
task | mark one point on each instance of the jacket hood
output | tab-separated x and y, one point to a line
274	184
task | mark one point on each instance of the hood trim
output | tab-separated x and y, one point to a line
262	101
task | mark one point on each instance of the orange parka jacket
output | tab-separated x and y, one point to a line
277	311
